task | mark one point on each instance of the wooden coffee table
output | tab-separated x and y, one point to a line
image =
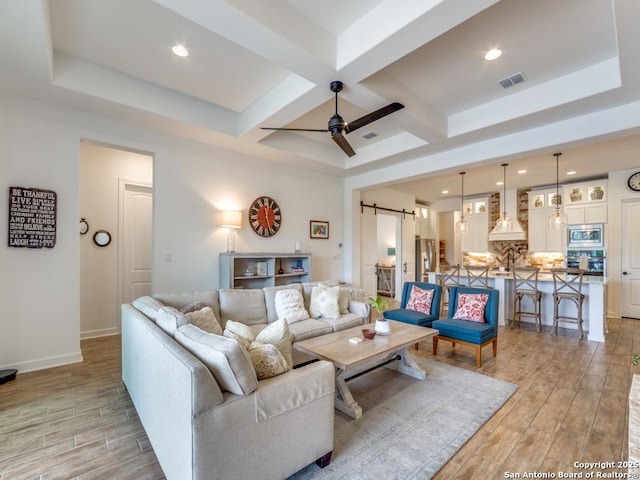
352	359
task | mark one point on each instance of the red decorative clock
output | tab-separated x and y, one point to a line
265	216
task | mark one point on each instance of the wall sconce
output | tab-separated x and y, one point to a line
231	219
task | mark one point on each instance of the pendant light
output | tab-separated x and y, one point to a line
557	219
462	226
504	223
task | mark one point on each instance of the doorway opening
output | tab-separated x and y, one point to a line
115	184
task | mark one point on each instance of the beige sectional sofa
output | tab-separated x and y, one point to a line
197	428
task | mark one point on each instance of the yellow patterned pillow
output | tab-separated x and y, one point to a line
277	334
267	360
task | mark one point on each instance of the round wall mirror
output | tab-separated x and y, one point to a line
84	226
102	238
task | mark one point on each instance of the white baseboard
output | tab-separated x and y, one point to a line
102	332
47	362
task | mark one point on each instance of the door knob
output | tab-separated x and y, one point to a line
625	273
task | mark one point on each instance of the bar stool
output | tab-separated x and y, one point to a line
567	285
526	285
478	277
449	277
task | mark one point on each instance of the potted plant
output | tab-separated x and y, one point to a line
382	325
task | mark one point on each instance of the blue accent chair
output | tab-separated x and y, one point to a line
405	315
467	332
402	314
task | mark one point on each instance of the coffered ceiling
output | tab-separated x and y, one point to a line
253	64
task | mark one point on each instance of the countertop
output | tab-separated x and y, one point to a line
543	276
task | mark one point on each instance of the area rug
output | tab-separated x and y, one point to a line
409	428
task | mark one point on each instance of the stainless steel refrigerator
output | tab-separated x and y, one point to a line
425	258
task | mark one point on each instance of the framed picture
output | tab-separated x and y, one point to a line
318	229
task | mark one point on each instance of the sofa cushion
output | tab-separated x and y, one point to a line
308	328
169	319
471	306
420	300
227	360
205	319
472	332
242	305
148	305
409	316
181	300
290	305
270	299
346	294
267	360
239	331
344	321
324	302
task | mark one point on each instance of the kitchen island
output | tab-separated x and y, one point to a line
593	309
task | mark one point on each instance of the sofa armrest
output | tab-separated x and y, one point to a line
283	393
360	308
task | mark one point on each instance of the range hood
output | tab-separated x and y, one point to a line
511	207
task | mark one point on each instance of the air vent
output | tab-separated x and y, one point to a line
512	80
369	135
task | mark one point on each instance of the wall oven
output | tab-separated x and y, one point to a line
593	261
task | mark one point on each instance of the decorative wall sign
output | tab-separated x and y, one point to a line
32	217
318	229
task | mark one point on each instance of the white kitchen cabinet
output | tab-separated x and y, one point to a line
476	214
586	202
540	238
581	214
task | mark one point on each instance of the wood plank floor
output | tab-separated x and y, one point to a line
77	421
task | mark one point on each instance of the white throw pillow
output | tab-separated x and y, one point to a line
240	332
206	320
277	334
290	306
324	302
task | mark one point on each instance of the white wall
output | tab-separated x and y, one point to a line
40	289
100	169
618	192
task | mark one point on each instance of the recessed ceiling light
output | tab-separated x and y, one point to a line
180	50
521	172
493	54
500	182
444	192
571	172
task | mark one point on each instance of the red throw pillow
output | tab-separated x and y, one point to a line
420	300
471	306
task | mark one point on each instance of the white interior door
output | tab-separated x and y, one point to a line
368	245
630	279
407	230
136	241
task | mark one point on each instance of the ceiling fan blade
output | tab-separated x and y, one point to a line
373	116
296	129
342	143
